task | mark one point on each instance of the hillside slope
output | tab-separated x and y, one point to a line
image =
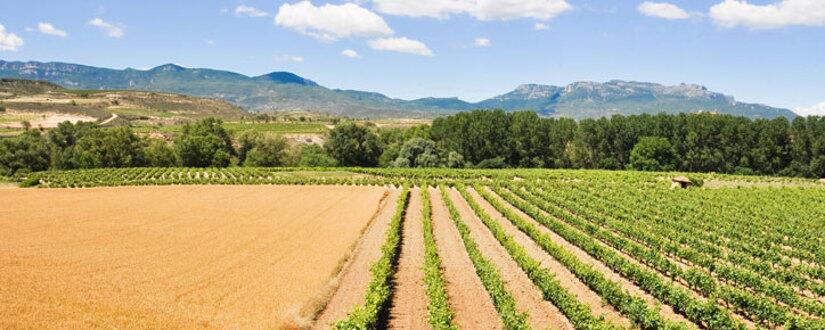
284	91
37	101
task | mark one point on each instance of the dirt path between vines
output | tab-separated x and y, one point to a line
542	314
665	310
468	298
408	309
353	281
566	278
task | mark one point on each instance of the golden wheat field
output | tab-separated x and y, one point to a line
175	256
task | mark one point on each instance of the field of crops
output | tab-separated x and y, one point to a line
559	249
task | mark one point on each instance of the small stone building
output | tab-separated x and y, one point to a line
681	182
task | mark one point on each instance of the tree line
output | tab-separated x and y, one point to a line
482	138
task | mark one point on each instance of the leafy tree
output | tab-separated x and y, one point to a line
418	152
204	144
27	152
62	141
246	142
269	152
653	154
497	162
389	155
476	135
313	155
116	147
354	145
160	154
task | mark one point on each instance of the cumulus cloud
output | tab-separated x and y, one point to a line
664	10
401	45
350	53
485	10
9	41
540	26
111	30
733	13
242	10
47	28
815	110
331	22
482	42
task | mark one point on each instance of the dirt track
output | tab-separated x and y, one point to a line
541	313
468	299
408	309
354	279
173	256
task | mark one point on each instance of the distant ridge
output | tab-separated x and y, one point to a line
286	91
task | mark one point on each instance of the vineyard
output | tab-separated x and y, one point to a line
559	249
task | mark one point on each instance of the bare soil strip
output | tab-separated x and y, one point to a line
542	314
566	278
468	299
665	310
354	279
408	308
173	256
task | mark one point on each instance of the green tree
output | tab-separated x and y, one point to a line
246	142
313	155
418	152
269	152
205	143
27	152
160	154
354	145
115	147
653	154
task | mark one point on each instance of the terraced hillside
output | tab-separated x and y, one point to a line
521	249
45	105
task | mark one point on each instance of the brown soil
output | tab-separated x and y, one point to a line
541	313
665	310
468	299
173	256
354	279
566	278
408	309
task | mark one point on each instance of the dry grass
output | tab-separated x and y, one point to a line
173	256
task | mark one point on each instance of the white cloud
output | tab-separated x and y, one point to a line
540	26
331	22
289	58
111	30
733	13
664	10
9	41
47	28
485	10
242	10
350	53
482	42
816	110
401	45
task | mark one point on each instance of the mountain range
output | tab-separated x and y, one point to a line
285	91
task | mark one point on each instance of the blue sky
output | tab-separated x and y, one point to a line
770	52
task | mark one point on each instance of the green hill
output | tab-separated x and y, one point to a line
284	91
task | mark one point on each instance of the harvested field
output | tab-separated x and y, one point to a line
173	256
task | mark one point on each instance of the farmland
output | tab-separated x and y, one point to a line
412	248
